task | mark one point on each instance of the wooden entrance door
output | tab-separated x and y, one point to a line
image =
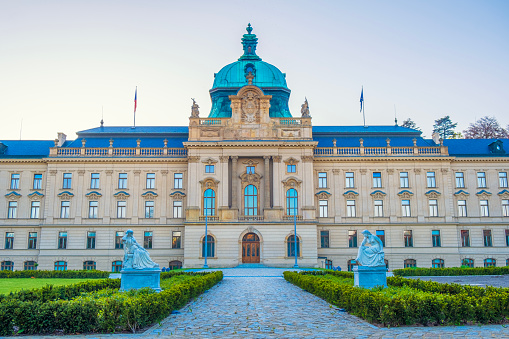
250	248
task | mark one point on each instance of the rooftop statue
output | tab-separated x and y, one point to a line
371	251
305	109
135	256
195	113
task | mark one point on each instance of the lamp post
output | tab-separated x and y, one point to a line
295	238
206	242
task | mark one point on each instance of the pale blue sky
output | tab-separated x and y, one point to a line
61	61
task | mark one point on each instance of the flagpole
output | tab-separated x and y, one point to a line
363	115
135	104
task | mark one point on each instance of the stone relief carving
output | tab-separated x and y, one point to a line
209	183
277	158
405	195
210	132
378	195
323	195
193	158
195	112
350	194
433	195
250	108
250	178
290	133
209	161
224	158
291	182
307	158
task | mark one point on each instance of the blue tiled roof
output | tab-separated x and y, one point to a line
473	147
369	141
27	148
129	142
129	131
357	130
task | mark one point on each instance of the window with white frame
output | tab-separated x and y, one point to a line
431	180
460	180
176	239
488	241
94	180
481	179
149	209
121	209
62	240
34	209
12	211
151	180
405	208
484	208
505	207
349	180
93	208
433	207
408	238
462	208
379	208
178	180
350	208
403	180
32	240
177	209
324	213
67	181
377	179
65	207
122	180
322	179
14	181
502	179
37	181
9	240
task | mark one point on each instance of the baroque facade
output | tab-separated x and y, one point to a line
251	171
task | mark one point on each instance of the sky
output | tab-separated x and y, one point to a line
65	64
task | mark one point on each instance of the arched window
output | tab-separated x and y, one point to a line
350	264
211	248
490	262
291	202
437	263
89	265
7	266
175	265
29	265
116	266
467	262
409	263
250	200
60	265
209	202
291	246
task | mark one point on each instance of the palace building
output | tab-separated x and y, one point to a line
252	170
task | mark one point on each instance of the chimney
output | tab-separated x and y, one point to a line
436	137
61	139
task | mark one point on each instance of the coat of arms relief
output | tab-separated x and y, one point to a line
250	108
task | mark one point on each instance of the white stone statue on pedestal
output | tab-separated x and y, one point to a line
135	256
371	252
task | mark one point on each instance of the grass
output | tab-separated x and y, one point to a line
17	284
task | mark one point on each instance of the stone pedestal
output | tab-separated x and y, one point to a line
136	279
368	277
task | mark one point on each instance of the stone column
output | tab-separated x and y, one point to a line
337	210
266	181
163	198
276	172
78	200
135	196
107	197
235	180
51	200
224	181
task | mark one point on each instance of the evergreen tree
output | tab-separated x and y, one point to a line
445	127
485	128
409	123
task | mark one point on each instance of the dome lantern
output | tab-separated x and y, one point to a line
249	42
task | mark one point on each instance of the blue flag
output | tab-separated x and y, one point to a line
362	97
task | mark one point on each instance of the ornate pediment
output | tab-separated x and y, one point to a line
461	194
250	162
150	195
121	195
433	194
65	195
209	183
323	195
94	195
504	194
483	194
250	178
177	195
350	194
36	195
405	194
291	161
209	161
13	195
291	182
378	194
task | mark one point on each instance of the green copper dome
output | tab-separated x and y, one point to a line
233	76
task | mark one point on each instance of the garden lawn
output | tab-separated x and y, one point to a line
17	284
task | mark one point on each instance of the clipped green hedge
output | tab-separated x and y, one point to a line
103	311
422	304
420	272
54	274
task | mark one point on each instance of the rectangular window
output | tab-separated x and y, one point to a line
34	209
430	180
151	180
62	240
433	208
291	168
502	179
209	168
9	240
149	209
322	180
32	240
350	208
465	238
118	239
324	239
377	179
65	206
37	182
505	207
507	237
177	209
121	209
379	208
487	238
178	180
12	211
349	180
403	180
462	208
435	238
90	240
484	208
122	180
250	169
460	180
147	240
67	183
405	208
94	180
381	235
409	263
481	179
352	239
14	181
176	239
324	208
407	235
93	208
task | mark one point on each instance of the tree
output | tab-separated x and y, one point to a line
445	127
409	123
485	128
